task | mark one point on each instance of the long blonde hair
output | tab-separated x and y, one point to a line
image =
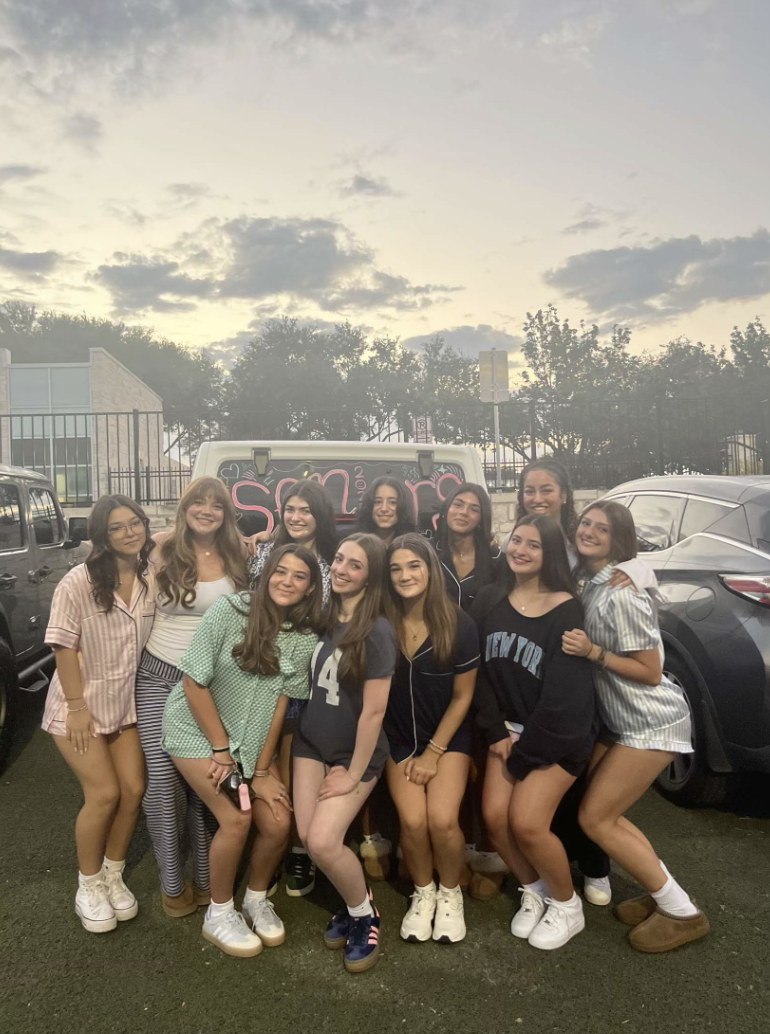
178	567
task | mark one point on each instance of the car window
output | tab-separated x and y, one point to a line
700	514
657	519
10	518
706	551
758	512
45	519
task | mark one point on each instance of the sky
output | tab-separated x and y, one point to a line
412	166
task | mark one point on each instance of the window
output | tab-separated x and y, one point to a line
45	519
10	518
656	518
29	390
700	514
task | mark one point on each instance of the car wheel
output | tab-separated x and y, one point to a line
688	780
9	701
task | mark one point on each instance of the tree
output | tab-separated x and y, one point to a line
189	384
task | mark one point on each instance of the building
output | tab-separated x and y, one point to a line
91	427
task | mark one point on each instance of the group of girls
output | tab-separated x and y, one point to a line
226	684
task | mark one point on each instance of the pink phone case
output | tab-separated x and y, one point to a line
243	796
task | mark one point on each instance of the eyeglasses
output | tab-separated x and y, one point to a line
134	525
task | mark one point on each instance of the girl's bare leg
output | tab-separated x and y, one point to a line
412	806
98	779
128	762
533	803
445	793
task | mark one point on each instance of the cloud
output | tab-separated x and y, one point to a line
583	226
20	172
367	186
29	264
125	212
138	283
84	130
470	340
298	261
666	278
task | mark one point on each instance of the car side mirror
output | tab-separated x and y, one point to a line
77	531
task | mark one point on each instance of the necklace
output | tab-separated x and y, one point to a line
520	605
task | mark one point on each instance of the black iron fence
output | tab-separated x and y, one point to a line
149	456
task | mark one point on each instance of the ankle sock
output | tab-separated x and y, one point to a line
252	896
217	909
87	881
571	902
674	899
538	887
453	892
364	909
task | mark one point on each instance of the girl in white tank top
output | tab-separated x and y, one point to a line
199	560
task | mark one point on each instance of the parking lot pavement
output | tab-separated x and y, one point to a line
157	975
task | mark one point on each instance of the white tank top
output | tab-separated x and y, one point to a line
174	625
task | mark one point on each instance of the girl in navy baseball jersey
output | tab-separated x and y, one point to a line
430	735
340	747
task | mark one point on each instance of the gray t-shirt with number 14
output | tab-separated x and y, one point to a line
330	721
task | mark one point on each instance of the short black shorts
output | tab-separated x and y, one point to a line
301	748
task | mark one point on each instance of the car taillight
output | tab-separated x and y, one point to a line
752	587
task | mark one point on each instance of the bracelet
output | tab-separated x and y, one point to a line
601	657
436	747
74	710
220	750
261	773
71	700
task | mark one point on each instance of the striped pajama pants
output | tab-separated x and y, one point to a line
174	813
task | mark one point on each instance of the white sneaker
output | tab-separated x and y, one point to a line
265	922
93	906
562	920
417	924
449	924
529	915
597	890
230	933
123	902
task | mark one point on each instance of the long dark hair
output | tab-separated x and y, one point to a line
352	643
555	574
439	612
482	535
101	563
322	511
257	653
624	544
178	574
405	516
560	473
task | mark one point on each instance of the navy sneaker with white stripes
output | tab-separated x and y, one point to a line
363	943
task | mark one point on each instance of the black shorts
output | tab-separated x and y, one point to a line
302	748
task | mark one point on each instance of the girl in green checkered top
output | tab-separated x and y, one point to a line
250	653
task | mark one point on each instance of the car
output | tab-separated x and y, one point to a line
37	548
259	472
708	540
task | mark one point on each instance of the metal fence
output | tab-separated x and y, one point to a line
149	456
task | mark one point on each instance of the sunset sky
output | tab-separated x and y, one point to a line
412	166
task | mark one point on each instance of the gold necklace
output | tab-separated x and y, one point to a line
521	606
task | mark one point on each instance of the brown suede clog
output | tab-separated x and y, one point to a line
664	932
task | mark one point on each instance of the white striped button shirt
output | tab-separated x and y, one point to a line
109	645
623	621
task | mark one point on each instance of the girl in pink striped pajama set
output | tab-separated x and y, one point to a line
101	617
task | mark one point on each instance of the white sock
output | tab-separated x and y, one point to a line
538	887
252	896
674	899
110	865
451	891
429	888
571	902
364	909
217	909
87	881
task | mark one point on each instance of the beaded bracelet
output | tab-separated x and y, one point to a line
441	750
74	710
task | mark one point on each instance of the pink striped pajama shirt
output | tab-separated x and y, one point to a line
109	645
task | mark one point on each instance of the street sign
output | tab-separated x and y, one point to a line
493	375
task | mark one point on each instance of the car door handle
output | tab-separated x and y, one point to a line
44	571
7	580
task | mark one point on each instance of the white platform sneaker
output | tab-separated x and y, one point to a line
449	922
231	934
121	898
529	915
417	924
93	906
562	920
265	922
